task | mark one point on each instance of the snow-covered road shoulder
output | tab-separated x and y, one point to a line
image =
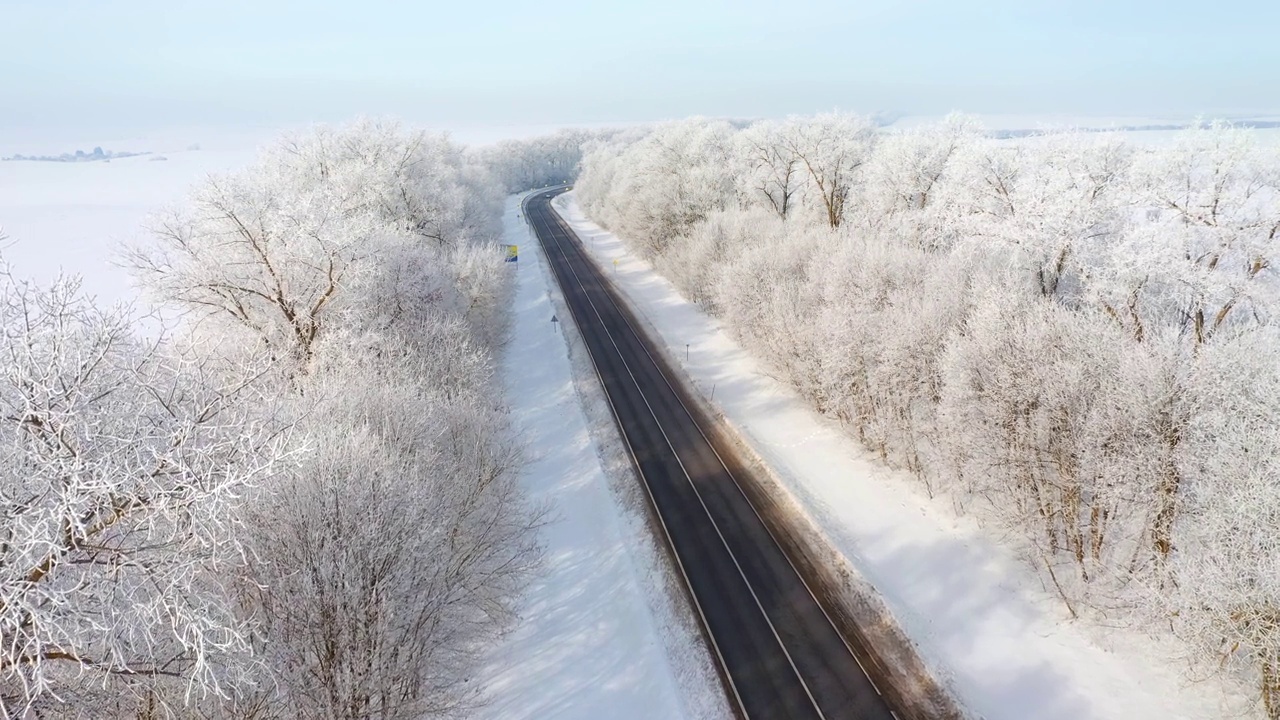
589	644
979	617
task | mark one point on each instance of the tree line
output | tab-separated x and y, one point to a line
1070	336
301	499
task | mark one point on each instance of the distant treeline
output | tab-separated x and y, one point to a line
1249	124
78	156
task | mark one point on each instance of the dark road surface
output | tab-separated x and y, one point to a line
779	650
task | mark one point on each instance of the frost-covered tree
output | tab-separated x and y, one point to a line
378	569
123	464
664	182
832	148
1068	337
1049	205
695	263
771	174
271	250
541	161
385	564
1227	598
909	183
1214	206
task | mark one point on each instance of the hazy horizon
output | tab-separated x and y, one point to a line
137	67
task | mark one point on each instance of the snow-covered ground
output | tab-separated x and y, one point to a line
979	617
1267	136
1012	121
598	637
72	217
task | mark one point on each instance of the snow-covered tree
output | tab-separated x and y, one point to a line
772	174
1048	206
908	184
272	249
1214	203
378	569
832	148
658	186
385	564
123	464
1069	337
1227	597
541	161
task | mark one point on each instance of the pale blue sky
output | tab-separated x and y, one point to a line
135	63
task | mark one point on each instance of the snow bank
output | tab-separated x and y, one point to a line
598	637
978	615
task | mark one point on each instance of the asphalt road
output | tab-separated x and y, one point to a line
779	650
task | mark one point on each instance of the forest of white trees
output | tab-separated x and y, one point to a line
538	162
300	502
301	499
1068	336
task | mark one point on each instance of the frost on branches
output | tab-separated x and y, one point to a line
338	534
399	549
1070	337
363	262
538	162
275	251
121	462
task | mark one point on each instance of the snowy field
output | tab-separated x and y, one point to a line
1014	121
978	616
72	217
1266	136
588	644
